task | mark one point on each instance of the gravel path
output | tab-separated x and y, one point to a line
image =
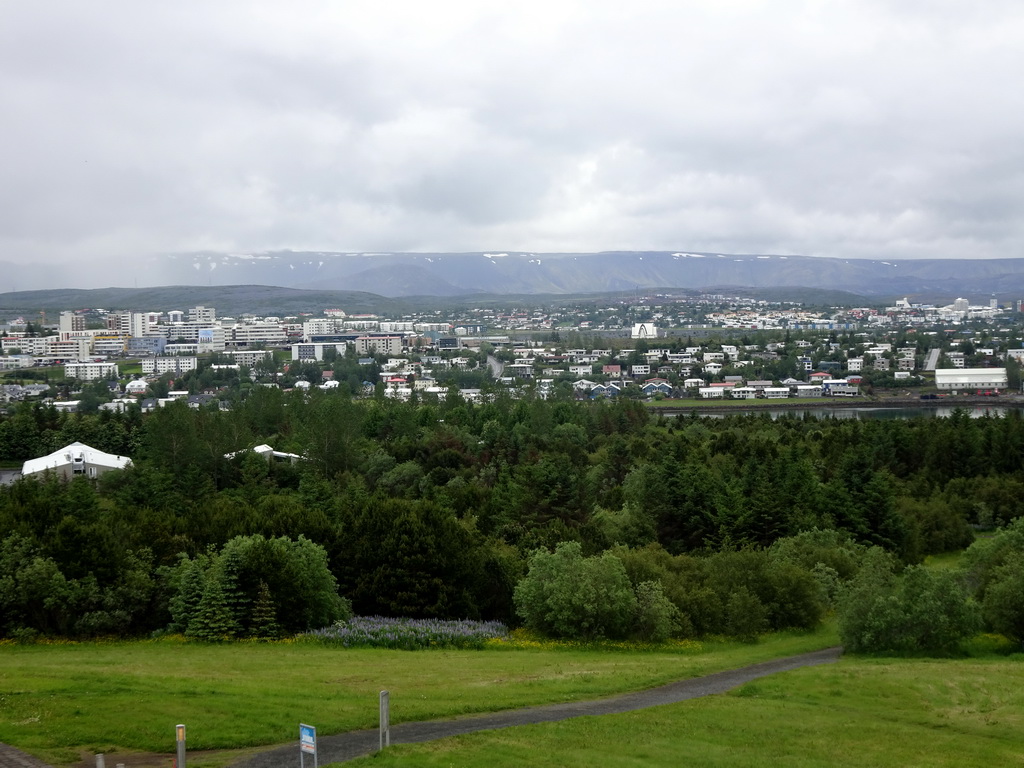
15	758
346	746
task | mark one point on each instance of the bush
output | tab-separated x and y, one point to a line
569	596
657	619
255	587
984	557
1003	605
745	616
919	611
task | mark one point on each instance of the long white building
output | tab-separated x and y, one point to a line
966	379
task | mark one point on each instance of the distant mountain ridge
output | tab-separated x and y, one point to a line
398	275
455	274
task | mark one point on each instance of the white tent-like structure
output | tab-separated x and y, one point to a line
268	453
75	459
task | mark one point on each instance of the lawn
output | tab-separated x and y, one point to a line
62	701
860	712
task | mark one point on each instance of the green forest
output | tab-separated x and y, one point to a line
596	519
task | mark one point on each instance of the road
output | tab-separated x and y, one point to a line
497	367
347	746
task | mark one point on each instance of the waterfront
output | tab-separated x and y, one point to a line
975	407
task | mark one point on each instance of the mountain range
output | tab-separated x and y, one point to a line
398	275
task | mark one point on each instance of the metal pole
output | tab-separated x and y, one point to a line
179	731
100	761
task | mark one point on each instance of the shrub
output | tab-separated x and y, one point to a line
919	611
745	616
657	619
1003	604
255	587
567	595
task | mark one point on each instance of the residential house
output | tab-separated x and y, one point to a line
654	386
743	393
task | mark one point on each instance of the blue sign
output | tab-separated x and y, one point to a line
307	739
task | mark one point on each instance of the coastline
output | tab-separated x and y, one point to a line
872	401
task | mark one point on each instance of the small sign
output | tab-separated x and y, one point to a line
307	739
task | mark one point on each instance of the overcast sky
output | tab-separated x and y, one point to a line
862	128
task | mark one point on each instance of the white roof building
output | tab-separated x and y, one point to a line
268	453
970	378
76	459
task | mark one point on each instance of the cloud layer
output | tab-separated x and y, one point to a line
853	128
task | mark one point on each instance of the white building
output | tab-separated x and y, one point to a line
75	459
249	358
258	333
644	331
128	323
70	323
203	315
966	379
161	365
308	352
379	345
711	392
90	371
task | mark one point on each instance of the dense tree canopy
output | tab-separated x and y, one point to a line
435	508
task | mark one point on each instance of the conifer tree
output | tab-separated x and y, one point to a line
264	615
213	620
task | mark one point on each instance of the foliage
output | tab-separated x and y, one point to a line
565	594
995	569
407	634
918	611
432	509
287	579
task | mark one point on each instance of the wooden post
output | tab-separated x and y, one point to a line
385	719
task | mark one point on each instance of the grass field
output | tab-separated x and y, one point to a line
61	702
860	712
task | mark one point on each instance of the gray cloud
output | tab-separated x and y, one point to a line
847	128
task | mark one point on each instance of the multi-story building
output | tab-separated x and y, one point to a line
128	323
252	334
174	364
396	327
250	357
211	339
202	315
73	349
307	352
182	348
109	344
378	345
70	323
90	371
146	345
27	345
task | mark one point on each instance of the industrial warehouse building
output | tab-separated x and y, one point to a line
970	379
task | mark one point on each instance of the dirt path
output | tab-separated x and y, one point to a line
15	758
346	746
